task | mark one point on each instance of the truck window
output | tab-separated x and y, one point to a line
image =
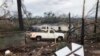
51	31
43	28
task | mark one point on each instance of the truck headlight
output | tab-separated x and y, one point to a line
28	35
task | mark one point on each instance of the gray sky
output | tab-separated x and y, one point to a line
38	7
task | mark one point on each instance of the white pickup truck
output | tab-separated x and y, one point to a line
49	34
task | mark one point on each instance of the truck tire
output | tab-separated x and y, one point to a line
60	38
38	38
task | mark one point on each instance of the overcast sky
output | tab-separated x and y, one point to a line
38	7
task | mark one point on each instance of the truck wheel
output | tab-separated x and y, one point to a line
38	38
60	38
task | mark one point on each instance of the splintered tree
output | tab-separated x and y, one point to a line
69	24
21	25
69	32
82	28
96	16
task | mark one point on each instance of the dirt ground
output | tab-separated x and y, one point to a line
92	48
47	48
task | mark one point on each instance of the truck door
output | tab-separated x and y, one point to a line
51	34
45	34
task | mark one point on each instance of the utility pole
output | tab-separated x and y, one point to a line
82	28
21	25
96	16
